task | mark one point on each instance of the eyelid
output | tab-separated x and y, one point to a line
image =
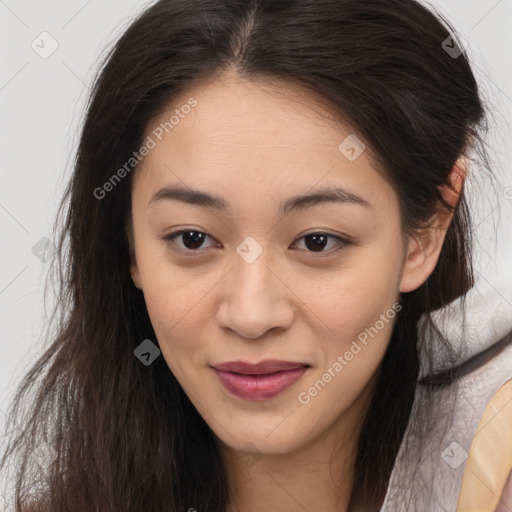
169	238
342	243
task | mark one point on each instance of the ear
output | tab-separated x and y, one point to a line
134	269
425	247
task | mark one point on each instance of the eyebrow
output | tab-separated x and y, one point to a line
300	202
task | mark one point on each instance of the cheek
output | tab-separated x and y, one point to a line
175	312
352	300
350	359
361	326
178	310
171	293
177	330
335	389
360	309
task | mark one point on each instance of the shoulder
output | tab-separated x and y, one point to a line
489	463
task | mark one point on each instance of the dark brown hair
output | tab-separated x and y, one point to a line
126	436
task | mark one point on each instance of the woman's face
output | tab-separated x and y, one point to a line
248	281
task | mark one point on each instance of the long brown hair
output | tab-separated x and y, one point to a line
125	436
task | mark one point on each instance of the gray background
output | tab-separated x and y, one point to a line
41	108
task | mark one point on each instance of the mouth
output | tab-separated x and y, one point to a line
260	381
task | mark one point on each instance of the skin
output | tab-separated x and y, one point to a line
257	145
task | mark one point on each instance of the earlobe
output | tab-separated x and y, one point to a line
134	271
423	254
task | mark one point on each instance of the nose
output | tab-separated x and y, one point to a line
255	299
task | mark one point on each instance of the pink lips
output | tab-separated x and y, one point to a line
260	381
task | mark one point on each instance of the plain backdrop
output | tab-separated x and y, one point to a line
41	108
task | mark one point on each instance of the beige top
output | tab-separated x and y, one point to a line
464	465
490	459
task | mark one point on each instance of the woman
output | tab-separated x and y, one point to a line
214	356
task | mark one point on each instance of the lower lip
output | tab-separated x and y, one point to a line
259	387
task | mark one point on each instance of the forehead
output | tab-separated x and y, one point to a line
258	138
232	111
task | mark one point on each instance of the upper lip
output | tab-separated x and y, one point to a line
263	367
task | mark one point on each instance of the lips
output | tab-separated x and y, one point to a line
260	381
262	368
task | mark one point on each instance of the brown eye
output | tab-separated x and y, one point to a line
190	238
318	241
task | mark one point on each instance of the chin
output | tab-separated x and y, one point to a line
266	441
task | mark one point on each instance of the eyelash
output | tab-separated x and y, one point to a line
343	241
